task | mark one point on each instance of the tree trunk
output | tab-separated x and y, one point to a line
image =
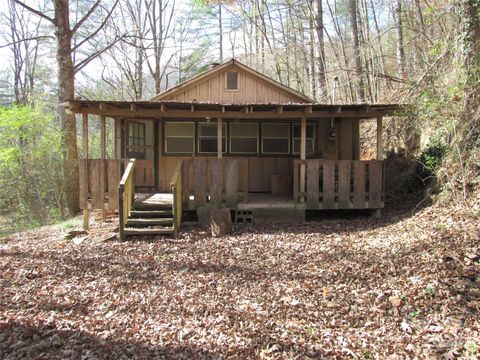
471	10
333	14
66	85
313	62
362	33
400	48
321	51
220	30
420	16
158	46
356	52
388	85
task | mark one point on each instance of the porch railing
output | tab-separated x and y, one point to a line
339	184
99	185
214	182
176	189
126	193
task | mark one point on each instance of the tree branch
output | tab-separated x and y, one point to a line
37	12
89	58
87	15
98	29
42	37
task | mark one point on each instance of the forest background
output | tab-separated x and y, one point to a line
424	53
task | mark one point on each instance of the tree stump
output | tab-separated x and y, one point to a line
220	222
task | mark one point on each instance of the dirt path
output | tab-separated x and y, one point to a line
401	286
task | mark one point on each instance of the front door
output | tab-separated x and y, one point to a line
139	145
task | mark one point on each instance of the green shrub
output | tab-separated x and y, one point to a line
31	191
430	159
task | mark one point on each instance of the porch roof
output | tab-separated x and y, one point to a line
174	109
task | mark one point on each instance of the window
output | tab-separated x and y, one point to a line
310	143
207	137
180	137
136	140
276	138
232	80
243	138
136	133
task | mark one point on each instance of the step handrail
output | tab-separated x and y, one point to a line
176	189
126	193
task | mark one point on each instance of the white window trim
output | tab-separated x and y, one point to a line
300	139
224	136
277	137
180	137
243	137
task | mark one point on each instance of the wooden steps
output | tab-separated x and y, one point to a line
148	231
152	214
134	222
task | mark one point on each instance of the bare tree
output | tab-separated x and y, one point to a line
380	47
400	45
160	16
66	69
22	36
356	52
321	50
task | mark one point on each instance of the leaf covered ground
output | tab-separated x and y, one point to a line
403	286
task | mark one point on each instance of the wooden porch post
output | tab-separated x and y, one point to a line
219	137
85	170
103	155
378	212
303	151
379	138
116	138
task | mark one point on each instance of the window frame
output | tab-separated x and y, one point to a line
138	149
165	137
313	138
224	137
136	125
238	80
243	137
287	125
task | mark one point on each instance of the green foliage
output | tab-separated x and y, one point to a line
30	167
414	314
446	112
430	291
69	224
193	63
431	158
203	7
471	347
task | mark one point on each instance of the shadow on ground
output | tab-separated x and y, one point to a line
19	341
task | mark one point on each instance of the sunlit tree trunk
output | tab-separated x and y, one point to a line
356	52
321	50
66	91
66	88
388	84
400	45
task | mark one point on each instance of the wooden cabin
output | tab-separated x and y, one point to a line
228	138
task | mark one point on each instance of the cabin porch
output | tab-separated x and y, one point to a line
240	183
203	184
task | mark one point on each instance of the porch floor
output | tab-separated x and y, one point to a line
267	201
255	200
154	198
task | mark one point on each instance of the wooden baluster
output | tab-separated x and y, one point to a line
103	152
85	171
